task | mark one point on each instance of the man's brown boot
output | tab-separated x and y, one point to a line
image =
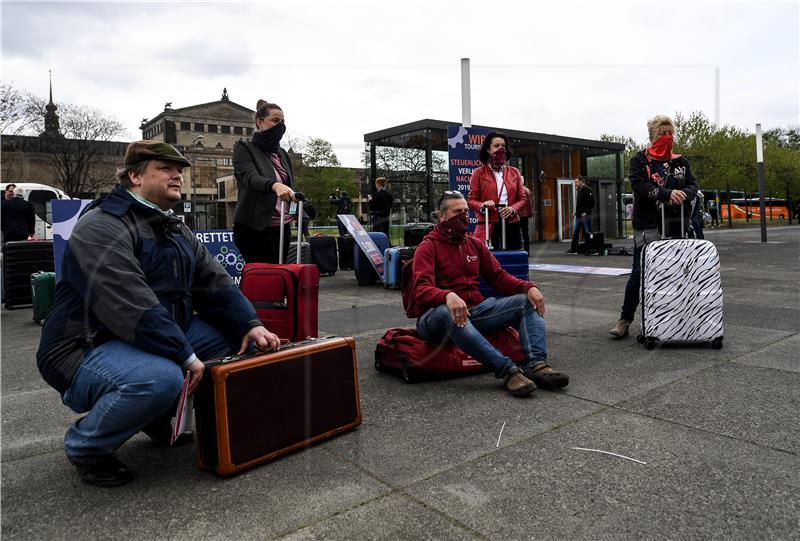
518	385
620	330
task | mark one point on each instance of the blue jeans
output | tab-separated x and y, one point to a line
631	302
584	222
124	388
485	318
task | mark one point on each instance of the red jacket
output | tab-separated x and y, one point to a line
442	265
527	208
483	187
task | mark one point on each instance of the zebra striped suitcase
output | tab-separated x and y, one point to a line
681	292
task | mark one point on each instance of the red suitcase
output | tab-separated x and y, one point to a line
286	297
254	408
402	350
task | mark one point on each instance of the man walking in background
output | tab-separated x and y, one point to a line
583	213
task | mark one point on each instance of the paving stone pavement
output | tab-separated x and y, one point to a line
714	434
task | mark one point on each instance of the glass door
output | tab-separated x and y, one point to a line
566	208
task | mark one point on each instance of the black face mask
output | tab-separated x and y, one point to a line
269	140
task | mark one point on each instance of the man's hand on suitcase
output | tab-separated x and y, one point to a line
195	375
264	339
458	309
536	299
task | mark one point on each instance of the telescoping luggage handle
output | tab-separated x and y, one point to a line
664	222
502	228
299	197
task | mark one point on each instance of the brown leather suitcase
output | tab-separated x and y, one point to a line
253	408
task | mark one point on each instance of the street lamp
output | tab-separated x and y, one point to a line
194	183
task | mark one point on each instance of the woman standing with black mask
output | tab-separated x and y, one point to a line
265	178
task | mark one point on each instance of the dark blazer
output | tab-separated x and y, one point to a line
255	176
19	218
381	203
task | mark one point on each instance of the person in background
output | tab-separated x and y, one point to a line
139	305
380	206
18	217
9	193
265	180
658	177
524	219
497	186
697	215
448	303
343	206
713	211
583	213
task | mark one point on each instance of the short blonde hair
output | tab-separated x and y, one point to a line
655	124
381	181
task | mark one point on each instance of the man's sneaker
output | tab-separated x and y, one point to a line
545	377
620	330
571	252
105	471
518	385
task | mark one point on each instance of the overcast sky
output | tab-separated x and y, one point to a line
340	69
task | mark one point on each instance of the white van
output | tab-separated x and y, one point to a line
40	196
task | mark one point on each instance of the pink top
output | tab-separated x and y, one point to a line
280	176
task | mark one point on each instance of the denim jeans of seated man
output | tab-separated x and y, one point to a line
487	318
124	388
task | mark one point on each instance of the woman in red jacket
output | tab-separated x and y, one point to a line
497	186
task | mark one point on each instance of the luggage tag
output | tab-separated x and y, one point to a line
293	208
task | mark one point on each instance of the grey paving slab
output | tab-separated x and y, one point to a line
33	423
356	320
694	485
763	317
399	518
760	405
783	355
171	499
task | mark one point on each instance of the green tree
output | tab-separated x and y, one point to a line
318	173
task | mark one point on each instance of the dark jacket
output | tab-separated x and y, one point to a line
131	273
344	205
442	265
585	202
647	193
381	203
18	218
255	176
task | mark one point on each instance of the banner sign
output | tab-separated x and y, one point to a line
218	242
363	240
463	146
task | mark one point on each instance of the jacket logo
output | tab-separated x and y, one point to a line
679	173
471	258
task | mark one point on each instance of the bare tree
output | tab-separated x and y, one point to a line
18	110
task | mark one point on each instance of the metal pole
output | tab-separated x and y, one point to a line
760	169
466	112
194	183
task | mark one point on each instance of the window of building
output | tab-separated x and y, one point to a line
212	128
186	126
237	130
225	129
198	126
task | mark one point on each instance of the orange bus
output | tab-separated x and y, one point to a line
741	208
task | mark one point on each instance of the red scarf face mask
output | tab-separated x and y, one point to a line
498	159
456	227
661	149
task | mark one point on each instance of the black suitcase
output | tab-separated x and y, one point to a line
21	259
324	254
595	244
414	233
346	244
255	408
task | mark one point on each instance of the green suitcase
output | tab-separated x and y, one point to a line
43	285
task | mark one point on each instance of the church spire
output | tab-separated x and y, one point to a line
51	124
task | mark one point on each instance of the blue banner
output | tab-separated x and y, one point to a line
219	242
463	145
361	236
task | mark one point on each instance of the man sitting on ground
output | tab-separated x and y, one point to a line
122	332
445	280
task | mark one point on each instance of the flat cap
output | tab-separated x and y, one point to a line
141	151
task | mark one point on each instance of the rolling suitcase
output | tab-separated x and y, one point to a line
402	351
595	244
681	291
393	261
365	272
286	297
21	259
254	408
414	233
345	244
305	252
323	254
43	287
514	262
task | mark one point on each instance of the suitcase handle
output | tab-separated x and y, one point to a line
299	197
285	345
664	222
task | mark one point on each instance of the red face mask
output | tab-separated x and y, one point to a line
661	149
456	227
497	159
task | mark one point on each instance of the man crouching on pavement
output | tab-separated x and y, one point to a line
446	268
121	332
